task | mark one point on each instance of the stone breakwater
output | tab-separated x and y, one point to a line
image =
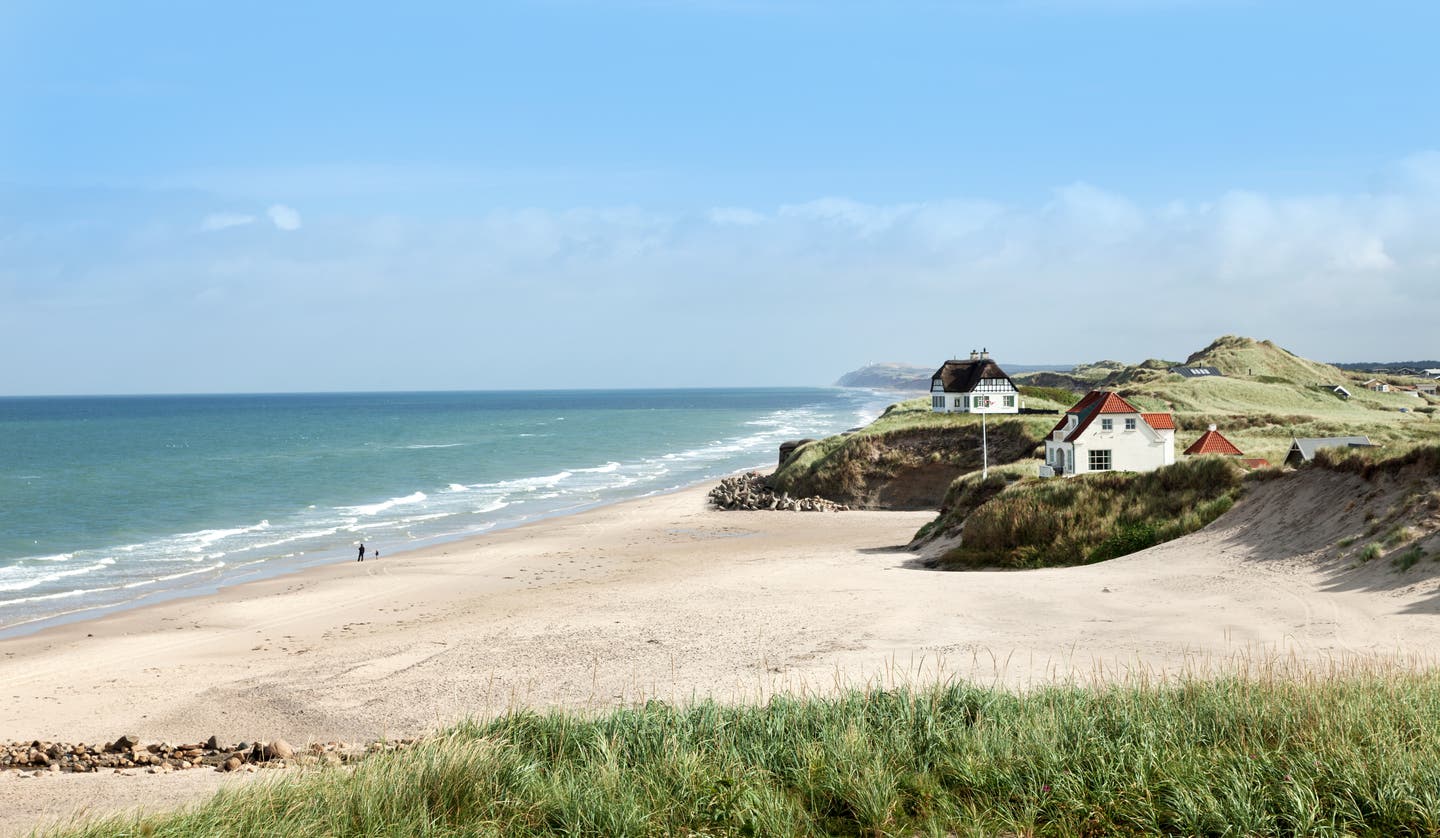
751	491
126	754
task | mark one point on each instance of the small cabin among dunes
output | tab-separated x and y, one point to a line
1303	450
1213	442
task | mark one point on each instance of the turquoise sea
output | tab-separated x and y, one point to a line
110	502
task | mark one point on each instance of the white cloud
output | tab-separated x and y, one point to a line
225	220
734	216
1081	274
283	217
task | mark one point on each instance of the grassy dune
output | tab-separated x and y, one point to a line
1279	753
1267	396
1048	523
908	436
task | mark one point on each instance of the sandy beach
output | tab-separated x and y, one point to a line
666	598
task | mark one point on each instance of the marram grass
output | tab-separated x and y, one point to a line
1344	753
1089	518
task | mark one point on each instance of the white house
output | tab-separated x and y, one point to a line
1103	432
974	386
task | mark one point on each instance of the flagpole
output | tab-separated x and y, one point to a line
984	450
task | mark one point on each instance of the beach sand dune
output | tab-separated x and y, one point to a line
665	598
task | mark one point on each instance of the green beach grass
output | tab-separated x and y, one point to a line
909	435
1279	752
1030	522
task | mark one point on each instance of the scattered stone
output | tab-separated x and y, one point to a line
751	491
279	749
36	758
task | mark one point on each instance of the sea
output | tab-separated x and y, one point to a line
108	502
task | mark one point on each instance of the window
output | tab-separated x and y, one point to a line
1009	401
966	403
937	402
1129	424
982	401
1107	424
1100	460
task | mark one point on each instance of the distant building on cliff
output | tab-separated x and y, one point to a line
974	386
1103	432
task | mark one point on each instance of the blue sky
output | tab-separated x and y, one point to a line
555	193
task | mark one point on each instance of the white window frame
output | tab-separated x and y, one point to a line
1107	424
1009	401
1099	456
1130	424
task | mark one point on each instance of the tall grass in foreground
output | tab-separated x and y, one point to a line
1331	754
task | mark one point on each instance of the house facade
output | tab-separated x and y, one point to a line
1103	432
974	386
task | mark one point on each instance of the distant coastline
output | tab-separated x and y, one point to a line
911	378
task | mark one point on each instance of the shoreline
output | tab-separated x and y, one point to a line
662	597
303	516
281	566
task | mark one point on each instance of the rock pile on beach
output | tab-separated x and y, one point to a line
749	491
126	754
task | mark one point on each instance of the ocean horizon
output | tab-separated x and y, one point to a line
109	502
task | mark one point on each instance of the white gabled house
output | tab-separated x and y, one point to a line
974	386
1103	432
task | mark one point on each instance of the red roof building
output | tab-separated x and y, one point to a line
1213	442
1105	432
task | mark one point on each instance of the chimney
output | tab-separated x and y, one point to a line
974	356
985	353
1212	427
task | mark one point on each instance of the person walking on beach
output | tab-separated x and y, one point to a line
361	557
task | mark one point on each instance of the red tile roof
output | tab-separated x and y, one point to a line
1213	442
1159	421
1097	402
1255	462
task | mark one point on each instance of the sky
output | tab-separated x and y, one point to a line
556	194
